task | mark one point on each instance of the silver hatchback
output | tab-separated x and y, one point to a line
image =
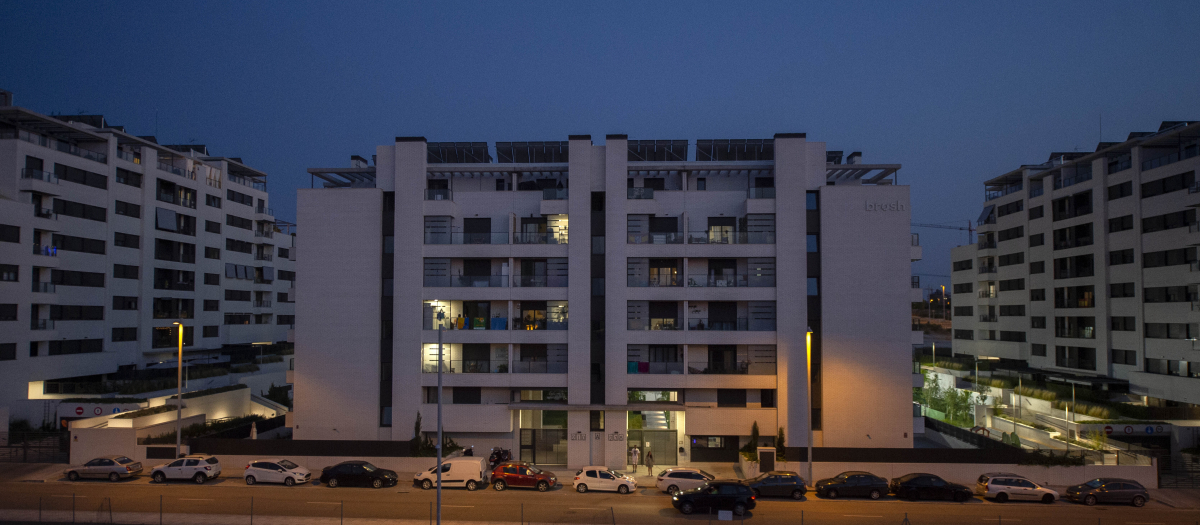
113	468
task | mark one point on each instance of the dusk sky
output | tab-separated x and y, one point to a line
955	92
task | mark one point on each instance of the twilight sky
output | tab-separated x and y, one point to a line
955	92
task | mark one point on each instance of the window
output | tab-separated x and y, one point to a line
237	295
1036	212
124	303
172	308
1015	337
8	352
1168	221
238	222
1077	266
125	240
78	244
1123	324
286	319
1012	284
1174	257
964	311
211	331
1010	208
167	279
128	209
1075	297
212	227
237	318
80	210
79	176
1168	184
1075	357
1124	357
964	334
238	246
1168	294
814	286
183	252
1120	224
240	198
170	221
813	245
125	271
1012	310
212	201
1075	327
124	334
810	200
464	395
285	275
731	397
1011	233
1037	239
212	305
701	183
1037	295
72	312
1117	191
172	193
10	233
1119	257
1119	290
963	265
1037	322
168	337
1076	205
1038	350
1170	331
71	278
963	288
1012	258
1037	267
129	178
8	312
1073	236
212	253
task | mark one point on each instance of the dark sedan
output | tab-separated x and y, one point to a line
357	474
928	486
853	483
1109	490
716	495
778	483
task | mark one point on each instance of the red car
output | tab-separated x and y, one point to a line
522	474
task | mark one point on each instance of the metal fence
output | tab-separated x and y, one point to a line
35	447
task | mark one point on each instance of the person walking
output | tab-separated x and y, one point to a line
650	462
635	456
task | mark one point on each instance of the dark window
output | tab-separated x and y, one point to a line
128	209
1168	294
212	227
286	319
963	288
212	200
963	265
72	278
1174	257
1075	205
168	337
124	303
1012	310
1124	357
80	210
1012	258
1168	184
1075	297
125	240
212	279
211	331
285	275
1075	357
1038	350
238	246
1010	208
174	222
240	198
964	311
73	312
1075	327
964	334
237	295
1168	221
172	193
238	222
1016	337
1037	322
463	395
129	178
124	334
1077	266
731	397
1117	191
165	250
8	312
125	271
212	305
1119	290
78	244
1036	212
8	351
767	397
1037	267
1120	224
212	253
1012	284
1038	294
79	176
1123	324
1010	233
10	233
1170	331
1073	236
1037	239
1119	257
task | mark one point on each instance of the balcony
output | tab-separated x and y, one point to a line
174	170
248	182
653	324
440	194
741	324
463	366
42	324
43	176
264	211
987	294
262	304
39	287
640	193
739	367
739	280
546	237
654	281
987	244
45	213
466	281
642	367
466	323
466	238
49	251
267	234
761	193
540	281
538	323
988	318
730	237
539	367
656	238
264	257
554	194
987	269
129	156
1182	154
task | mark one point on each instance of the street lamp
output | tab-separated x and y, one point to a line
808	366
179	393
440	317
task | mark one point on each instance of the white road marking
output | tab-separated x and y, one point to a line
324	503
65	496
1142	523
859	516
997	519
194	499
585	508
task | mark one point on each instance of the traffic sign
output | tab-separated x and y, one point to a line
98	411
1108	430
1128	430
79	411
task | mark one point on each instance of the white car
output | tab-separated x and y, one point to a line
679	479
276	471
1003	487
196	467
602	478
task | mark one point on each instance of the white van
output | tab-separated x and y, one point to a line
464	471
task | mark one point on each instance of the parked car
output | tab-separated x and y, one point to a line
463	471
196	467
357	474
275	471
1002	487
1109	490
853	483
673	480
778	483
732	495
114	468
601	478
522	474
927	486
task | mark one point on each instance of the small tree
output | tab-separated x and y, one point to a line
753	436
780	450
417	426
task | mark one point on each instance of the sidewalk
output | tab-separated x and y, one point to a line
32	472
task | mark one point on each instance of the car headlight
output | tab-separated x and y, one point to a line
675	497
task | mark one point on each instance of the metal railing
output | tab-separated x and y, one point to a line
538	324
740	367
656	238
466	281
741	324
987	294
1006	190
740	280
539	367
540	281
1063	182
1185	153
640	193
1036	192
653	323
438	194
731	237
466	238
41	324
214	182
638	281
67	147
130	156
264	211
987	269
466	323
45	213
45	176
264	257
262	304
49	251
986	244
761	193
987	318
547	237
40	287
170	168
554	194
264	233
238	179
466	366
644	367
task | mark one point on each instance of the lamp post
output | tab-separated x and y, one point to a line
808	366
945	316
179	393
440	316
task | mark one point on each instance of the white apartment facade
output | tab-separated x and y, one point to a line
106	239
1085	268
596	298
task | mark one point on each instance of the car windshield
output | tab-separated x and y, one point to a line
212	461
124	460
759	477
535	470
707	475
1095	483
288	465
842	476
617	473
369	467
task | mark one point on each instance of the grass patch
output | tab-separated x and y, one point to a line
146	412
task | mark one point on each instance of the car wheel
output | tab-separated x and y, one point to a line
1001	498
831	494
377	483
739	510
797	494
672	490
427	484
623	489
1048	498
687	508
542	486
1138	501
333	483
581	488
959	497
289	482
1090	500
159	477
73	476
200	478
499	485
250	480
875	494
472	484
114	477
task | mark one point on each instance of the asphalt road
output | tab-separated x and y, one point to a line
229	500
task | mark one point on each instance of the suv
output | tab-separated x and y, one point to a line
522	474
1109	490
673	480
778	483
196	467
1003	487
716	495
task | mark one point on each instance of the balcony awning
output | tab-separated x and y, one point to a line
871	173
987	212
345	177
36	122
637	407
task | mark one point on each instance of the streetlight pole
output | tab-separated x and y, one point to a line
945	316
441	316
179	394
808	360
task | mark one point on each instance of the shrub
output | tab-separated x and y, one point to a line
145	412
211	391
242	369
1047	458
1086	409
103	400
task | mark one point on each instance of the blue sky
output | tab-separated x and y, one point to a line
957	92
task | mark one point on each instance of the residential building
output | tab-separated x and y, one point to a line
1085	269
107	239
684	264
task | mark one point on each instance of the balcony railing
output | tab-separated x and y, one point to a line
466	281
987	269
238	179
762	193
987	318
170	169
466	238
987	244
45	176
1186	153
640	193
41	324
130	156
987	294
643	367
214	182
539	367
264	257
546	237
39	287
49	251
466	323
735	368
654	324
1005	190
438	194
264	233
262	304
554	194
741	324
730	281
730	237
540	281
1036	191
538	323
638	281
65	147
656	238
263	210
467	366
45	213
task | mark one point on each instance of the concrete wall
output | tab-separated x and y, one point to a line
967	473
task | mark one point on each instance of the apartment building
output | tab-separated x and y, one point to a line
1085	269
106	239
683	263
